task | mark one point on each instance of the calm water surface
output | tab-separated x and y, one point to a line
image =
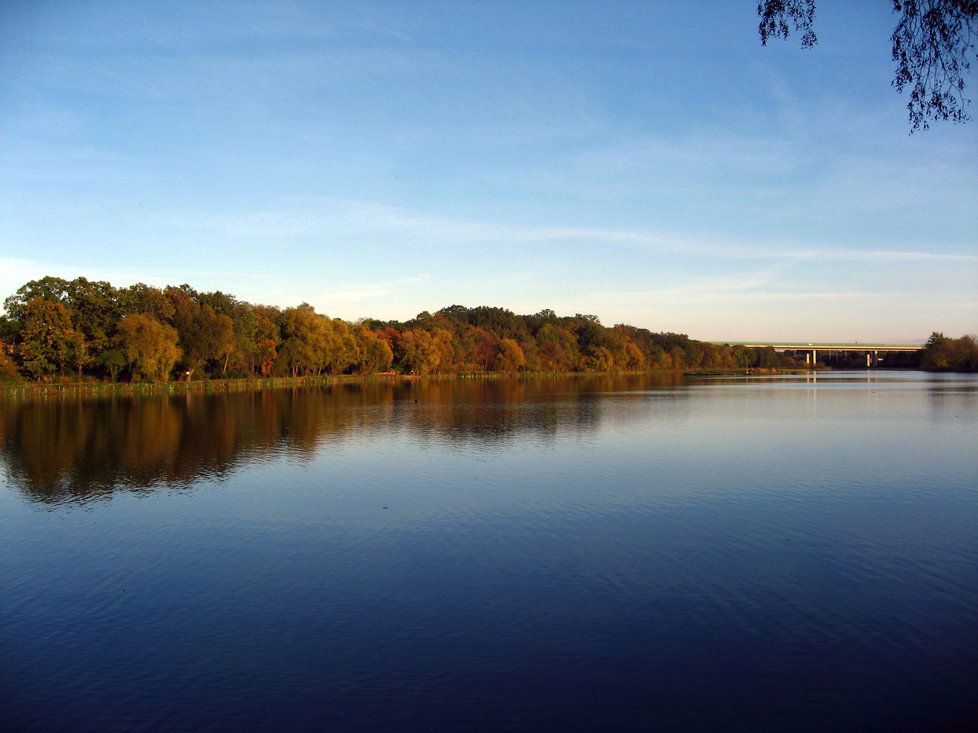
764	554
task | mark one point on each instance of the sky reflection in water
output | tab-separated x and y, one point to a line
605	552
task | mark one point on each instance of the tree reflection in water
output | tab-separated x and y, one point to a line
58	449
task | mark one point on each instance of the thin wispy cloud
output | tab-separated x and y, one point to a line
365	219
600	160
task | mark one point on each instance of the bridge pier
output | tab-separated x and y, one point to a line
875	353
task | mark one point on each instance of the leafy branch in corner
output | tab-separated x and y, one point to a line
932	45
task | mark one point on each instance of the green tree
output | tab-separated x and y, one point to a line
742	356
94	307
53	289
966	354
936	352
941	352
767	358
113	361
206	337
140	298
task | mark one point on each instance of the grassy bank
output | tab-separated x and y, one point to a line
109	389
33	389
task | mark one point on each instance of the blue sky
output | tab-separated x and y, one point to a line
650	163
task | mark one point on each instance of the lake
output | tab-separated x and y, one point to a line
630	553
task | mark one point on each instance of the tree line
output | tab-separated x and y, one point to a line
942	353
55	328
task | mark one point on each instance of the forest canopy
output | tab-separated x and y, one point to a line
56	328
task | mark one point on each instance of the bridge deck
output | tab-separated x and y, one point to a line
828	346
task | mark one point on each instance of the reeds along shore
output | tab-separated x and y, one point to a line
94	388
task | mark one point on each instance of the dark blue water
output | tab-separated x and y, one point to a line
774	554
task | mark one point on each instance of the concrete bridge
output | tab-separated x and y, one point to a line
872	351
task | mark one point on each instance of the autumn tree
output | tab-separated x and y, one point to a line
233	327
148	346
206	337
660	359
595	342
217	341
374	353
49	341
305	340
342	350
634	359
932	46
414	351
8	368
94	307
510	359
677	357
443	344
558	349
260	342
218	334
51	289
480	348
601	359
531	353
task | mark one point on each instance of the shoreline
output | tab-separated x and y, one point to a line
244	384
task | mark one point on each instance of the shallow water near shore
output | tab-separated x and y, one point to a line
644	552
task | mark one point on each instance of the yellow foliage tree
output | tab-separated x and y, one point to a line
149	347
510	359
